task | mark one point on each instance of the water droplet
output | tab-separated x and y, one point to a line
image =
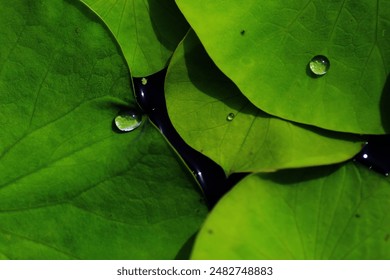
230	117
319	65
209	174
128	120
365	156
144	81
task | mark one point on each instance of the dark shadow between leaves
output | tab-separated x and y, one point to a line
333	134
385	105
168	22
185	251
207	77
290	177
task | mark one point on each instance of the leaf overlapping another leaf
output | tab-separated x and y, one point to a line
147	30
267	48
200	101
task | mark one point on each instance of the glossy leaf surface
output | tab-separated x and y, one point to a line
318	213
266	47
71	186
212	116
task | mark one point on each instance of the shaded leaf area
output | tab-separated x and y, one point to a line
212	116
148	31
267	48
318	213
70	186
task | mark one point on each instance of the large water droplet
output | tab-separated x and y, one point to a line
319	65
128	120
230	117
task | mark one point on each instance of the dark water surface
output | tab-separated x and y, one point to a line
376	154
149	92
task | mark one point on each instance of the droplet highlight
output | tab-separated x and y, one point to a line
128	120
230	117
319	65
375	154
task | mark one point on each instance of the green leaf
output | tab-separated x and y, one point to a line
265	48
212	116
317	213
148	31
70	186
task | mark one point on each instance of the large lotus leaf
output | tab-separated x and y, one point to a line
265	47
317	213
70	186
213	117
148	31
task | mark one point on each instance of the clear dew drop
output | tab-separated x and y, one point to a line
319	65
230	117
128	120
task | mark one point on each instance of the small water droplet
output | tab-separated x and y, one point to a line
365	156
230	117
144	81
209	174
319	65
128	120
